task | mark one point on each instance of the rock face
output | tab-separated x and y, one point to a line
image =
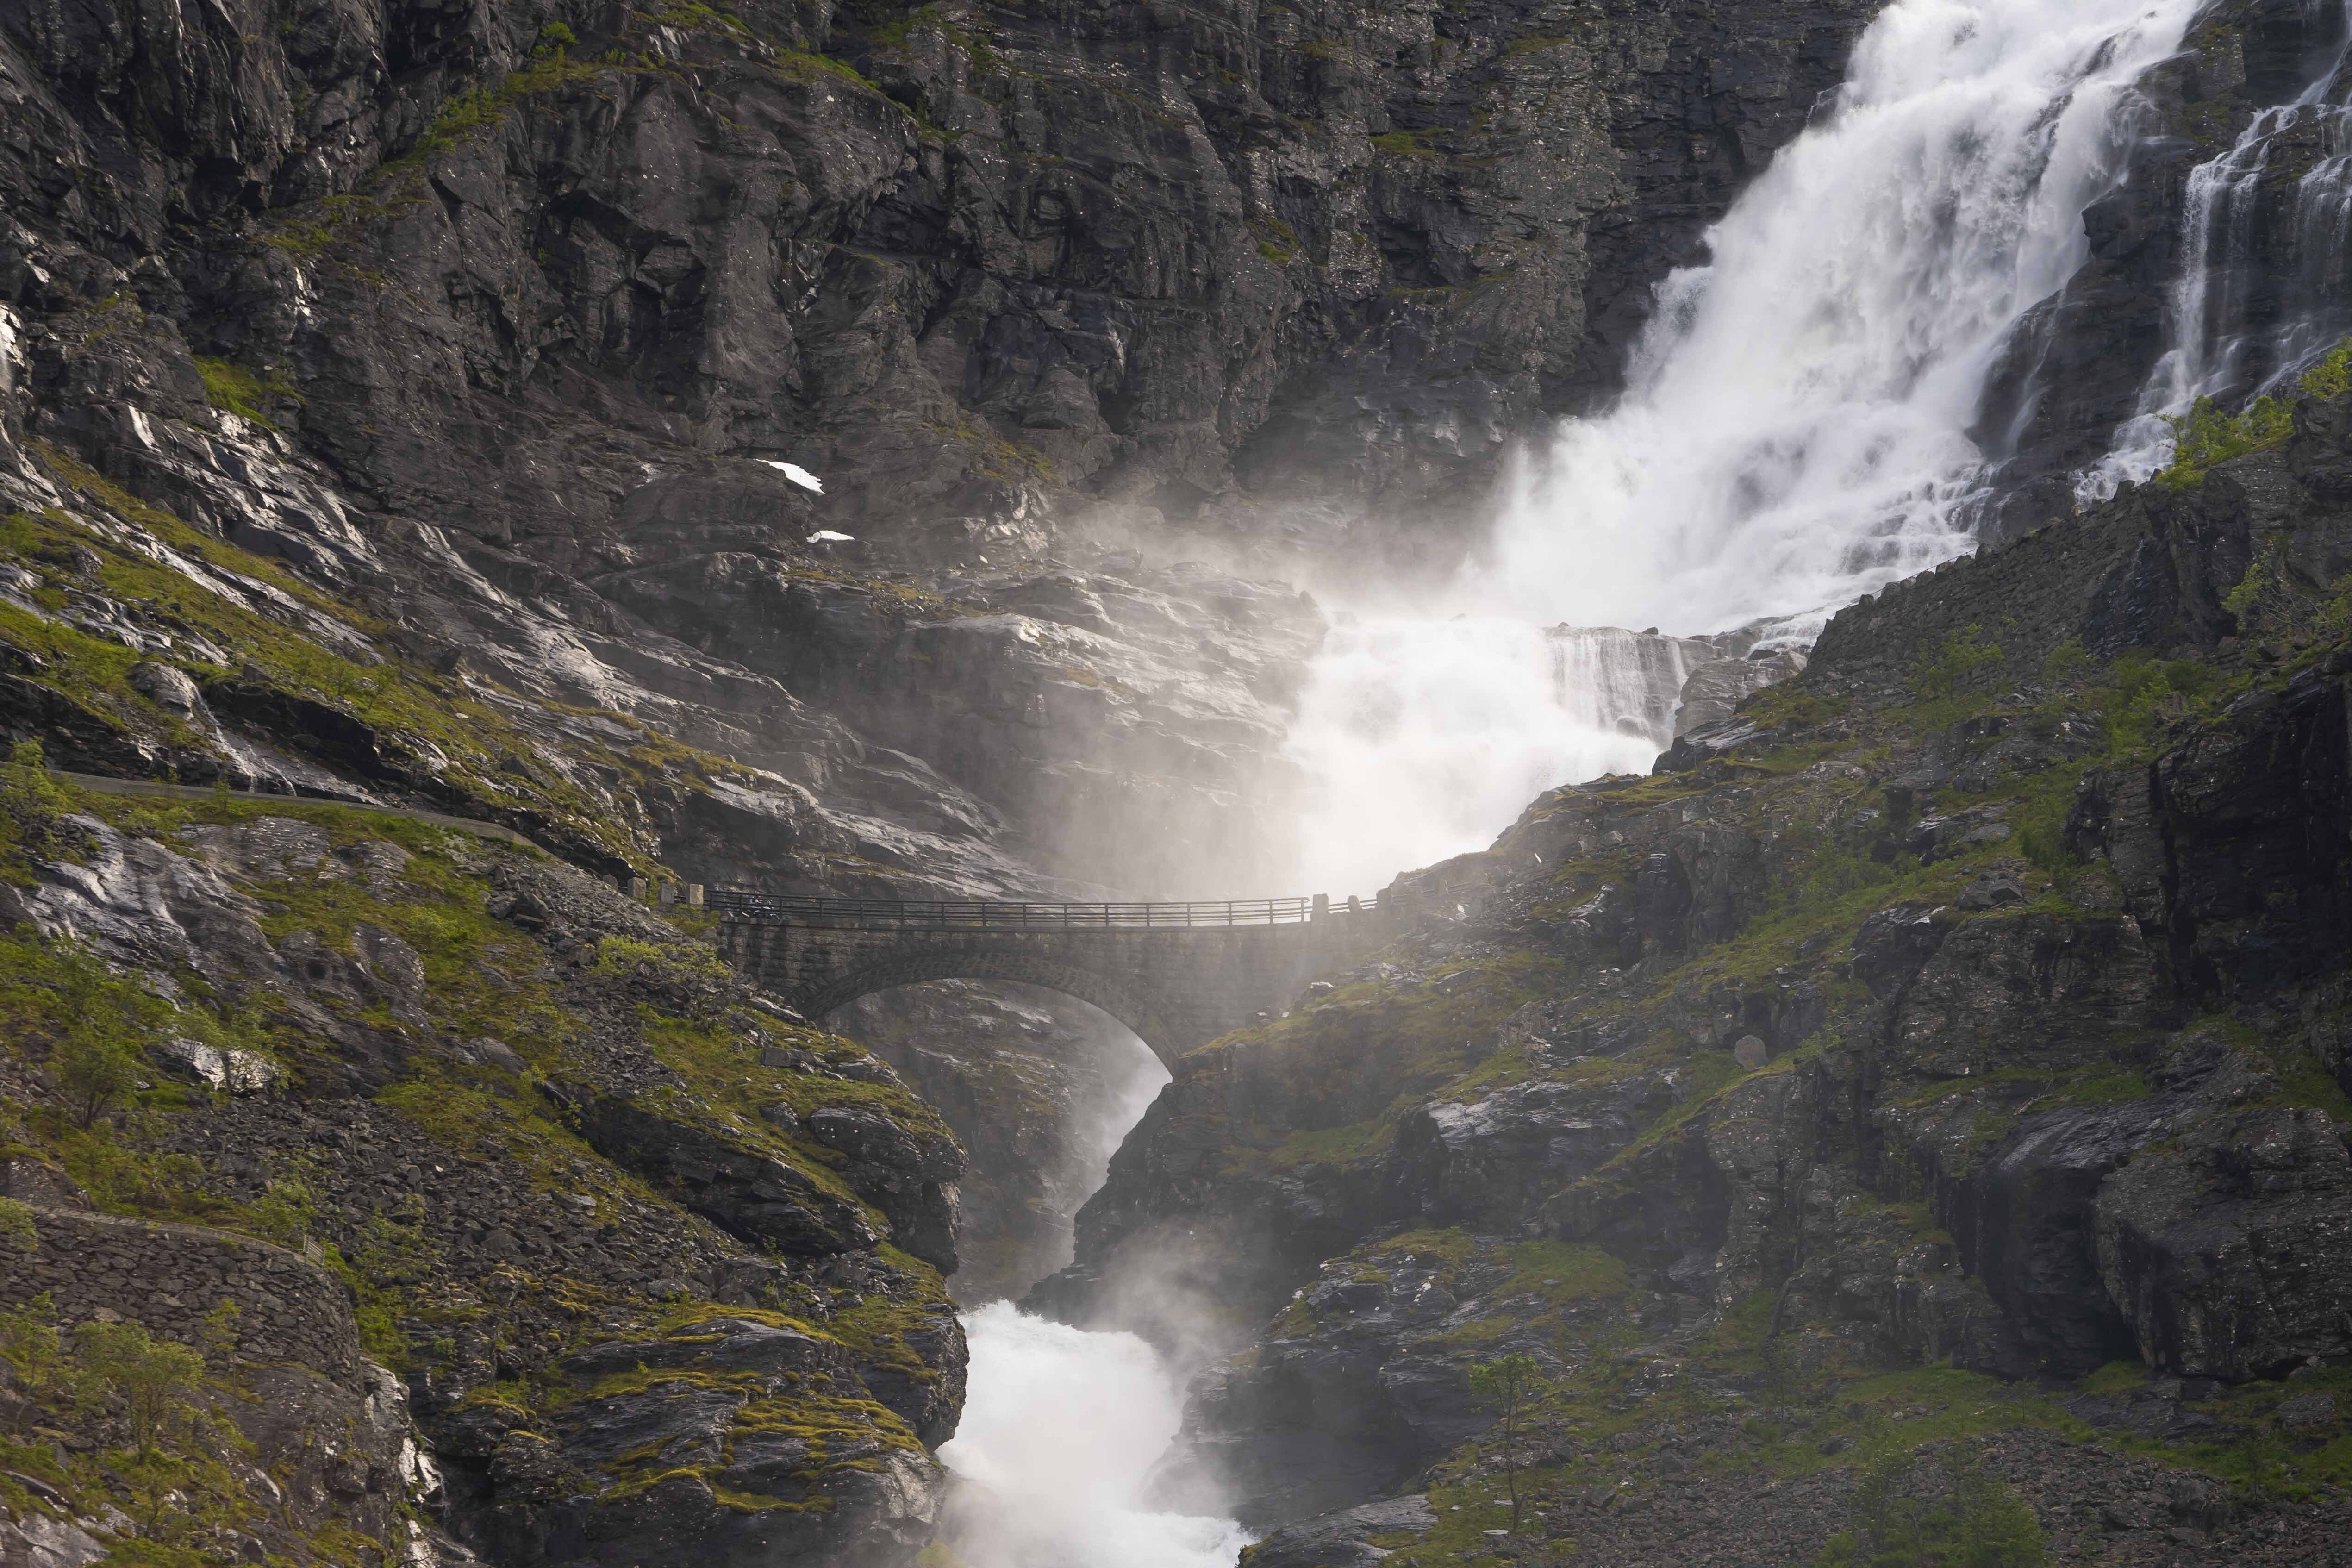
502	325
628	1252
1036	1090
2000	1029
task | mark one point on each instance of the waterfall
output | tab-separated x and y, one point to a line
1060	1432
1420	738
2237	324
1793	432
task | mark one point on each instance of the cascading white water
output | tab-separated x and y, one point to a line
1061	1429
1794	430
2218	347
1422	737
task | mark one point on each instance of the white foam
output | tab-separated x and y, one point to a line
1060	1428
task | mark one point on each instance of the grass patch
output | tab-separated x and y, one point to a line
242	391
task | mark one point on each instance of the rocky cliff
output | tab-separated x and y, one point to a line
391	406
1931	1079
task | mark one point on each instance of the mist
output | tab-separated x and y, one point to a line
1796	431
1062	1430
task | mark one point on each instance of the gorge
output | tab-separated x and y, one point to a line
1885	1101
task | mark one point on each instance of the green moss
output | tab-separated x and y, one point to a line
1448	1248
993	456
803	66
300	642
240	390
468	113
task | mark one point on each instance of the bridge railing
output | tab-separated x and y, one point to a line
752	906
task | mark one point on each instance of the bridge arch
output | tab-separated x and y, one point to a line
1164	1026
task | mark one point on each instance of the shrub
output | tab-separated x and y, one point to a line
151	1377
17	1230
36	804
2067	665
1955	663
2205	436
286	1210
1978	1522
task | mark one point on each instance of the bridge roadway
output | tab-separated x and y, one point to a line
1178	974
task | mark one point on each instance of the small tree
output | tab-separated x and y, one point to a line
1954	663
92	1073
33	1356
219	1338
34	803
1980	1522
1510	1385
152	1377
95	1056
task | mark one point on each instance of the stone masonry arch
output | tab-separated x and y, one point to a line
1177	987
1156	1020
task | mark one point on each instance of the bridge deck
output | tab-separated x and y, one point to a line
750	905
1178	974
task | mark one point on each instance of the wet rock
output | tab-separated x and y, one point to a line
166	686
1488	1162
2231	1252
2028	986
755	1196
37	1541
234	1071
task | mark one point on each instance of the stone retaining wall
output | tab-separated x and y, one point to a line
168	1277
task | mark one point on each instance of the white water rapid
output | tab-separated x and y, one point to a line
1793	432
1061	1429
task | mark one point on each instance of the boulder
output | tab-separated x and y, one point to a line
2231	1251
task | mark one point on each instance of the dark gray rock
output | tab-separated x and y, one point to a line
1340	1540
2229	1251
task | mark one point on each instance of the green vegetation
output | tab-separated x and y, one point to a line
1276	240
295	640
468	113
1510	1385
168	1402
1954	664
240	390
33	807
996	457
2205	436
1976	1523
1404	144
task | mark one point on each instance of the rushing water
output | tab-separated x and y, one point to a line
1061	1429
2261	290
1423	737
1793	432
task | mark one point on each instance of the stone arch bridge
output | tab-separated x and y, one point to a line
1178	974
